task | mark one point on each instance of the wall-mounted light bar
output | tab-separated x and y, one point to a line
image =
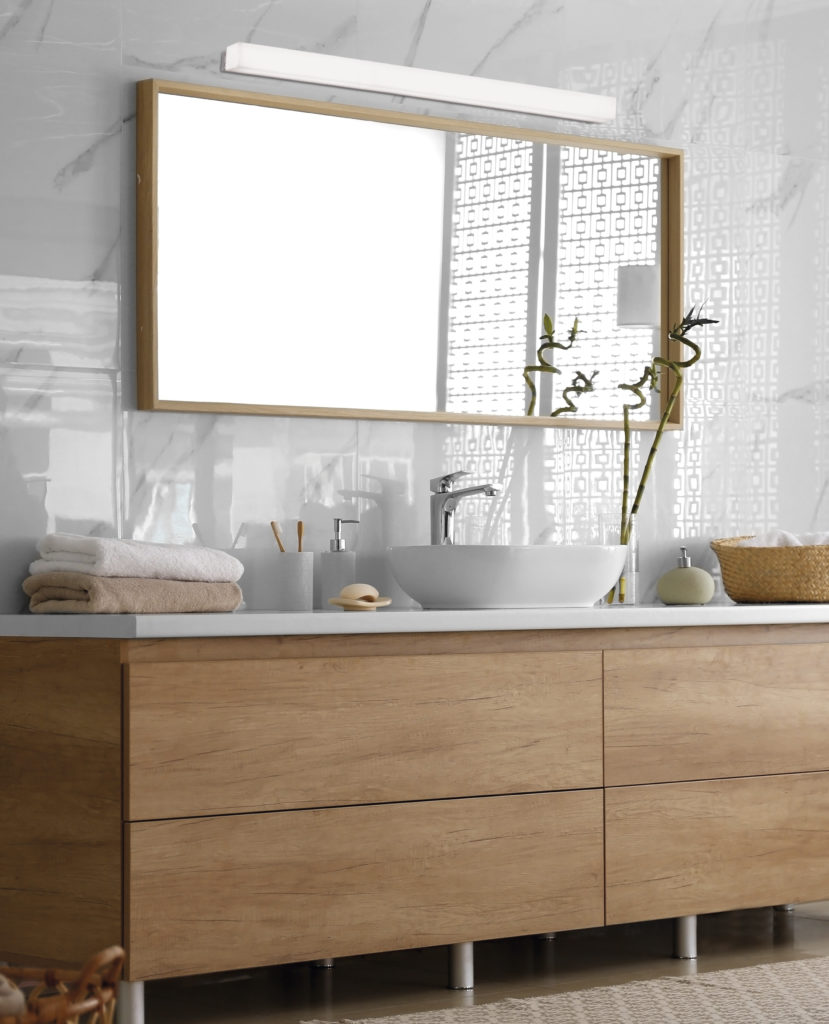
397	80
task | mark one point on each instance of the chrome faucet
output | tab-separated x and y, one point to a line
444	501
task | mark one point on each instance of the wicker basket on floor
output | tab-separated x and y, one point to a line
86	996
773	575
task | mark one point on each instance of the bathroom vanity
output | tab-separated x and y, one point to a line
225	791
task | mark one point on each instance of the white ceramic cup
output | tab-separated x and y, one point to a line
294	575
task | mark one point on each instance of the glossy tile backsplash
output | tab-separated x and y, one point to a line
742	86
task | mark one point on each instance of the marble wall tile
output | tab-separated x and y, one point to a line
76	34
60	174
756	226
229	476
59	323
508	42
221	480
58	443
733	73
190	35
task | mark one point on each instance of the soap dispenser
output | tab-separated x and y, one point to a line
686	584
338	567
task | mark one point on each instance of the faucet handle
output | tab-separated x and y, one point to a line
442	484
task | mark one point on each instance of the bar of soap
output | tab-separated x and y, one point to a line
360	592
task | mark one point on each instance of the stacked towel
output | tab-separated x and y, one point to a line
106	556
784	539
82	592
103	575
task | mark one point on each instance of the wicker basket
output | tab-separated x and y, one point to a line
86	996
773	575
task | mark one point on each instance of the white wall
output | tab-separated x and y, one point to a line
741	85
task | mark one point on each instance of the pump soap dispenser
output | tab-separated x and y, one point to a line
338	567
686	584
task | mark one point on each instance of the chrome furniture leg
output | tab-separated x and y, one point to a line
326	962
129	1008
784	908
685	937
462	965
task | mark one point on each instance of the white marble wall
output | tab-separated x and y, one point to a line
741	85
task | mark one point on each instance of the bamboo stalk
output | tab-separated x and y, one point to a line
581	385
548	344
625	476
640	490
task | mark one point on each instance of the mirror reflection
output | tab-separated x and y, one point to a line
319	264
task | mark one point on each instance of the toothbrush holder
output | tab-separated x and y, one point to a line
294	581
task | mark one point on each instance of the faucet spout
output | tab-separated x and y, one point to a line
444	502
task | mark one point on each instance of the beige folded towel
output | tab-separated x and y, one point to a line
81	592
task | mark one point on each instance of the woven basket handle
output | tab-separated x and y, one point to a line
108	963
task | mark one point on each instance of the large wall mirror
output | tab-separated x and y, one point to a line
305	258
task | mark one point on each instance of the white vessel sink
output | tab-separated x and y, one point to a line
507	576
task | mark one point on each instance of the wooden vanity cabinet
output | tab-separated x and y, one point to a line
717	776
297	808
723	844
674	714
246	890
264	800
231	736
217	803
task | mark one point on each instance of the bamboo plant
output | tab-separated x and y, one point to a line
580	386
650	379
543	366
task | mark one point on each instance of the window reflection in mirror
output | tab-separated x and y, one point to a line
329	263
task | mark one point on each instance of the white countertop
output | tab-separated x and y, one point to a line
395	621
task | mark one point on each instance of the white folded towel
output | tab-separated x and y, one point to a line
12	1000
784	539
107	556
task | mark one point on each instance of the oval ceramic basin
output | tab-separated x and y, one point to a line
507	576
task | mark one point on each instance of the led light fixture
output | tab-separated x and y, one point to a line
397	80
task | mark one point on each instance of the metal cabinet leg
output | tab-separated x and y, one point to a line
685	937
326	962
462	965
784	908
130	1004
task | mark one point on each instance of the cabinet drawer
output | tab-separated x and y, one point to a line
700	847
227	736
231	892
680	714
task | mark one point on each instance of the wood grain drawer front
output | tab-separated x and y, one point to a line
232	892
228	736
682	714
699	847
60	799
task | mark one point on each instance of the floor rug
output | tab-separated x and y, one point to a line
780	993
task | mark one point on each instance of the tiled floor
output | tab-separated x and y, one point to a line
394	983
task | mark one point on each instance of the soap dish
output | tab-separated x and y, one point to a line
360	597
365	604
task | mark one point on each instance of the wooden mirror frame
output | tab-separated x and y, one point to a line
671	250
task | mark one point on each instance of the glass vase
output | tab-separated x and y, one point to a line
626	589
